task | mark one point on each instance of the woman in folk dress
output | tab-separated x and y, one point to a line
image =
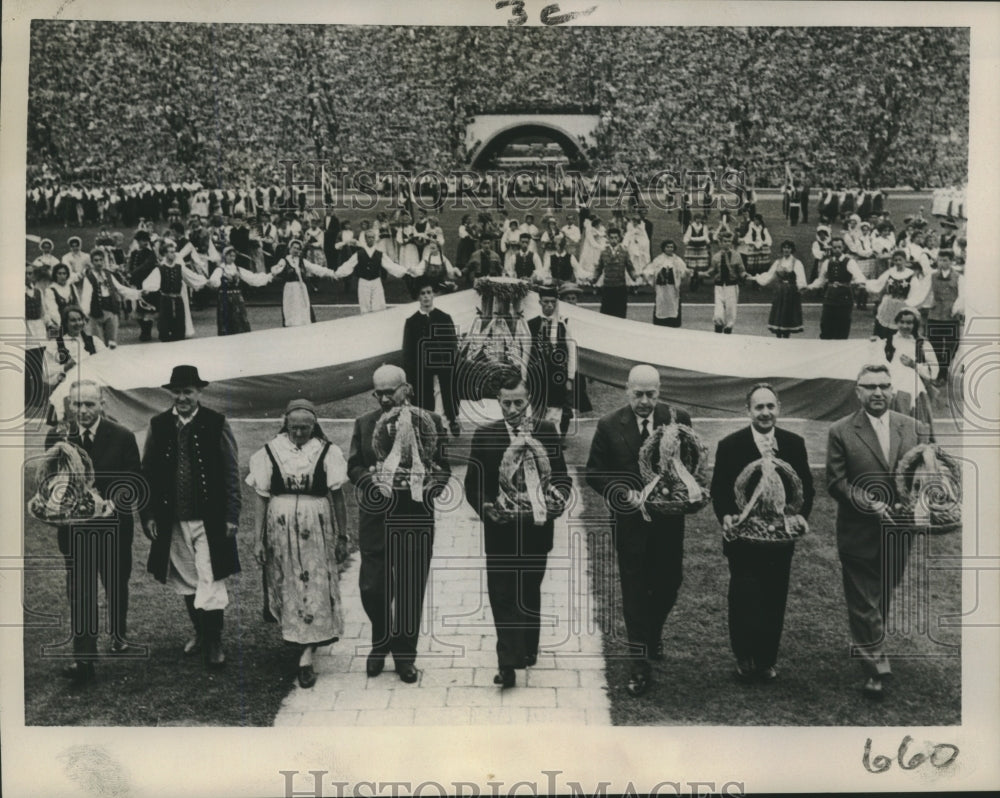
292	270
786	308
231	310
594	240
300	532
758	242
912	365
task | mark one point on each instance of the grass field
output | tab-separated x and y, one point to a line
818	684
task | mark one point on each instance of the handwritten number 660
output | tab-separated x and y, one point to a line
940	756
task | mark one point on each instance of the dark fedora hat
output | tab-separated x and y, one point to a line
185	377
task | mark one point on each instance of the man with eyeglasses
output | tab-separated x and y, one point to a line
395	536
863	450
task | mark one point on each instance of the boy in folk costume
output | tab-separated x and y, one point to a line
141	263
728	274
369	263
559	265
665	274
836	274
101	296
171	278
552	362
820	249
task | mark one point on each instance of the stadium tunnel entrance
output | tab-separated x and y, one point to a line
506	141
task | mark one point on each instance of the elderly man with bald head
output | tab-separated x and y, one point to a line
650	553
395	536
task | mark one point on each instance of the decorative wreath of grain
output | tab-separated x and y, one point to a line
505	289
424	433
65	491
671	495
929	487
514	496
774	516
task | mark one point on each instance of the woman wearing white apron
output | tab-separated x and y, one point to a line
293	269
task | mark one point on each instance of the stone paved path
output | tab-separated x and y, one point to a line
457	655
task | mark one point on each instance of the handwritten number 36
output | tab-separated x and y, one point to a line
940	756
550	14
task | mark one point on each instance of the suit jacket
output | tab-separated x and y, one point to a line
614	454
738	450
117	470
854	458
442	354
371	516
482	484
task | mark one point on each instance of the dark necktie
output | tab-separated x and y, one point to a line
644	433
724	268
88	441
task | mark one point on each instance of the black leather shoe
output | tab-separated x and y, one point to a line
638	684
744	672
873	689
767	675
505	678
307	676
407	673
375	664
79	672
530	659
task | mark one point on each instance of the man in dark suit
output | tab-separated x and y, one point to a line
396	538
516	545
191	465
430	350
115	455
650	553
758	571
863	450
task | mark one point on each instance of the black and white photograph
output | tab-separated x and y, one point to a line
506	397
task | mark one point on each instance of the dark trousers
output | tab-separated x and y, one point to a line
868	586
34	379
424	392
793	214
758	590
943	337
91	551
514	583
393	579
614	301
835	322
650	567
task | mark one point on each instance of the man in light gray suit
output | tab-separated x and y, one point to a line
863	450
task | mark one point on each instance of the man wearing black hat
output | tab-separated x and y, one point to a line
190	465
430	351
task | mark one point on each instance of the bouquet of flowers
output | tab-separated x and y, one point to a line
524	482
673	464
405	443
65	492
769	497
929	486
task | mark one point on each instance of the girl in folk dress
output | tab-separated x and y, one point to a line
406	242
293	270
758	241
300	528
386	237
594	241
60	293
786	308
696	249
636	242
231	311
912	365
900	287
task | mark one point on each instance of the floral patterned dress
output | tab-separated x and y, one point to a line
302	584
